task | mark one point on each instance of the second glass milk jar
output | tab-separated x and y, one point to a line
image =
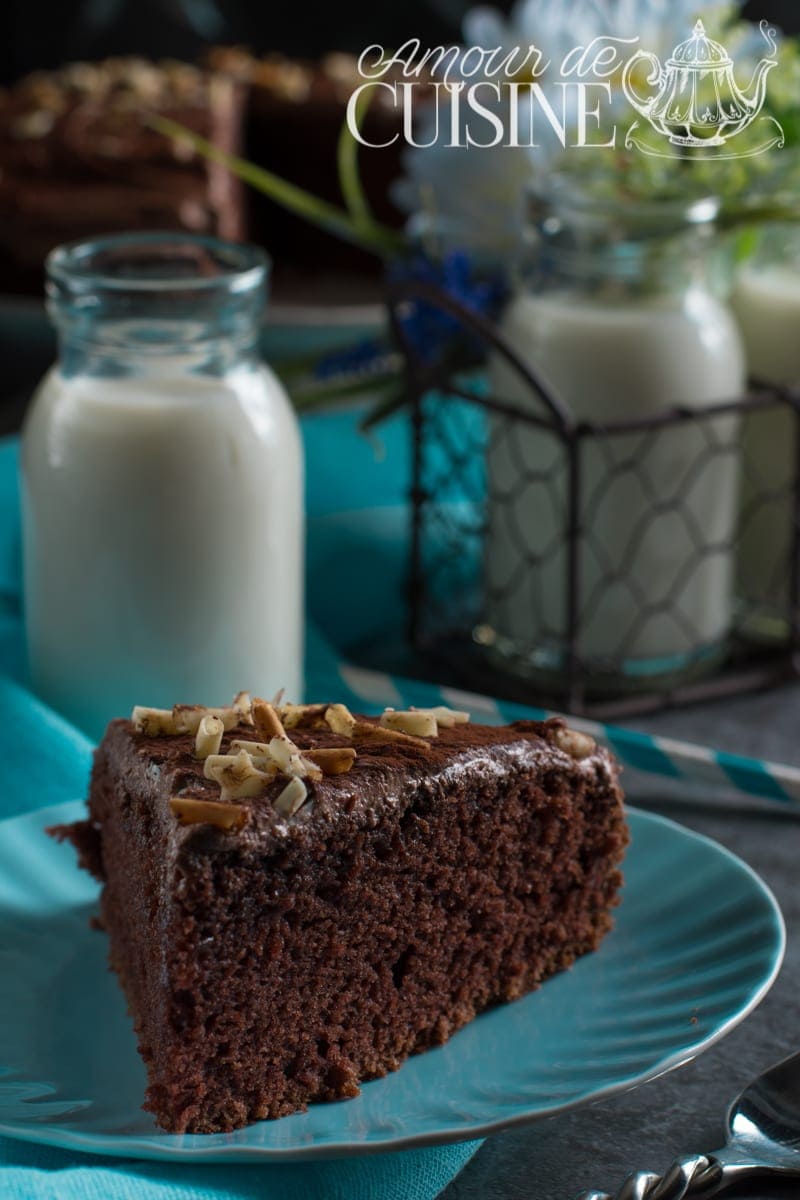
766	300
162	485
620	323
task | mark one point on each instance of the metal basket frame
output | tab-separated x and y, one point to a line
452	656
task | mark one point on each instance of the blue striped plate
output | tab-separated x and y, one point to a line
698	942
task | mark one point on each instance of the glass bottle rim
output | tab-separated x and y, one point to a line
108	263
560	198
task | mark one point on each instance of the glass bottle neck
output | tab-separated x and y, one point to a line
156	304
628	270
137	347
614	252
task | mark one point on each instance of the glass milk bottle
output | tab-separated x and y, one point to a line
162	485
620	322
766	300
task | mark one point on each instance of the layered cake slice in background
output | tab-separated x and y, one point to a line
297	899
78	160
295	113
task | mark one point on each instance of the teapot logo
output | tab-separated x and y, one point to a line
697	108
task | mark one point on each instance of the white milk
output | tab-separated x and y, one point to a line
609	360
766	300
163	535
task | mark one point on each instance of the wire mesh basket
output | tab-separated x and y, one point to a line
603	568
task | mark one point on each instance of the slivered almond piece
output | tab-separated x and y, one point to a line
258	752
154	722
266	720
191	811
216	763
382	734
291	798
209	737
577	745
254	749
419	724
187	717
262	762
243	705
237	775
340	719
290	759
446	717
335	760
267	766
302	716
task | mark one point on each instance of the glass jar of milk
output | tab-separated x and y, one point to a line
162	485
766	300
621	323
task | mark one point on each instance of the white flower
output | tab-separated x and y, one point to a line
478	193
474	195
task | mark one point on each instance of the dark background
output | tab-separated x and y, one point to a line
45	33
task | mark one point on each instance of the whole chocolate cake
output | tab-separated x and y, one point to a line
297	898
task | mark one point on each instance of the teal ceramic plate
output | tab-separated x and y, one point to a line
699	940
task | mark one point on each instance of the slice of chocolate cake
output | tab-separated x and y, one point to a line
295	112
297	899
77	158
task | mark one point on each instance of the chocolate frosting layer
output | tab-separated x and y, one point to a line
384	773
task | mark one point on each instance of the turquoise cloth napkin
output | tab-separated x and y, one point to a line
46	760
29	1172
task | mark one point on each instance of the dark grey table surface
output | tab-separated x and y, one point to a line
683	1112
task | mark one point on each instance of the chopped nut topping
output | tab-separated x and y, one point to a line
32	125
290	759
191	811
237	775
249	766
340	719
382	734
446	718
254	749
342	68
334	761
290	80
291	798
154	722
577	745
419	724
303	716
266	720
215	764
42	92
188	716
82	76
281	753
264	762
209	737
243	705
